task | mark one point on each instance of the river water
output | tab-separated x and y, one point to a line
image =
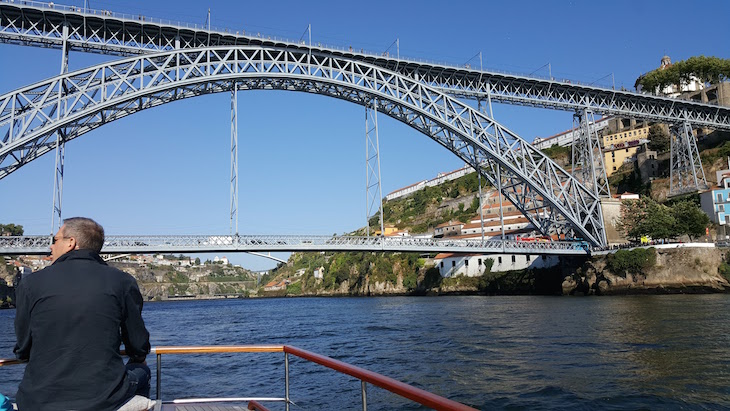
531	353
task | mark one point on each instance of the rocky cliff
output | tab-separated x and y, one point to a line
677	270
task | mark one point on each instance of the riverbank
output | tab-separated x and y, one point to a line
686	270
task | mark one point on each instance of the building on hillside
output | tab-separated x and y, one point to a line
439	179
389	230
319	273
276	285
448	229
647	163
621	147
405	191
397	233
473	265
494	228
565	138
718	94
716	202
626	196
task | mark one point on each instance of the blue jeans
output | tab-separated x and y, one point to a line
139	380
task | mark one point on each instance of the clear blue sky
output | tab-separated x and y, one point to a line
302	157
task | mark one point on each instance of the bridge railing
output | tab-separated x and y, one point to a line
202	243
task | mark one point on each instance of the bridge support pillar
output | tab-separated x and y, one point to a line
686	174
587	155
373	187
56	217
234	159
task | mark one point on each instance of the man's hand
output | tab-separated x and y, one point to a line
137	360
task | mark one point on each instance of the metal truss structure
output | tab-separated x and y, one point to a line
552	199
39	245
100	31
373	186
234	160
587	156
686	174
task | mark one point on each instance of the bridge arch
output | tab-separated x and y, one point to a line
76	103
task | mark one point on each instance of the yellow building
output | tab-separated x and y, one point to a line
618	147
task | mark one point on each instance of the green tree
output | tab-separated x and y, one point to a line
646	217
659	222
197	260
689	220
11	229
707	69
658	138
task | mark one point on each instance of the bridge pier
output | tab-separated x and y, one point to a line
686	174
587	156
234	159
373	186
56	217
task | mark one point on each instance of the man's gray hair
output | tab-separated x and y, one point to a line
88	233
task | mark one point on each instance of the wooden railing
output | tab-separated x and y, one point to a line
402	389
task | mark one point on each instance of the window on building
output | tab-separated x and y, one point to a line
719	197
614	168
627	150
721	207
442	264
527	258
727	219
480	261
499	260
453	263
514	259
466	262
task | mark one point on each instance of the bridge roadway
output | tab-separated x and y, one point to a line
100	31
39	245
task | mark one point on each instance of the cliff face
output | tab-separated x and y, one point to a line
678	270
208	281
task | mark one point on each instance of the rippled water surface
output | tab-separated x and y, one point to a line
536	353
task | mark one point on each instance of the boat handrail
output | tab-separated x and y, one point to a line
399	388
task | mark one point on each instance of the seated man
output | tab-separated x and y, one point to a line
70	321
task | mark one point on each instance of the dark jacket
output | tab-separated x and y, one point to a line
70	321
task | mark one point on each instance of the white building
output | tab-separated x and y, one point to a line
440	179
319	273
565	138
474	265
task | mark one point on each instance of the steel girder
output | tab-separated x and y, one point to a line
549	196
686	174
119	244
587	155
101	31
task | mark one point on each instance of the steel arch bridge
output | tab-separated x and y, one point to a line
76	103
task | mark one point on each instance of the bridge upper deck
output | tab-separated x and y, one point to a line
101	31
